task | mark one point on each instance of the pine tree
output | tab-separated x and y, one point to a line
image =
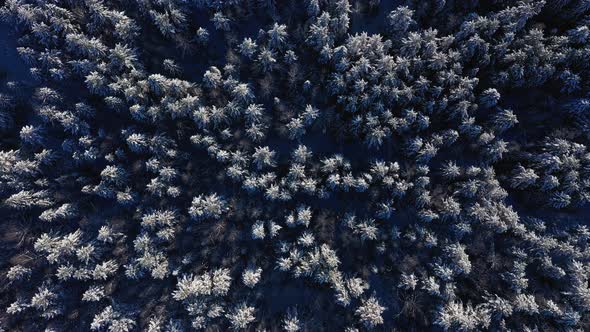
251	276
241	316
370	313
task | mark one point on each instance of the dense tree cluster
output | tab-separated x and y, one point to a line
315	165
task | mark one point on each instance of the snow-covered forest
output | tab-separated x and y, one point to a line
294	165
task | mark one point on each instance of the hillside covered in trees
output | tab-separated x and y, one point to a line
294	165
